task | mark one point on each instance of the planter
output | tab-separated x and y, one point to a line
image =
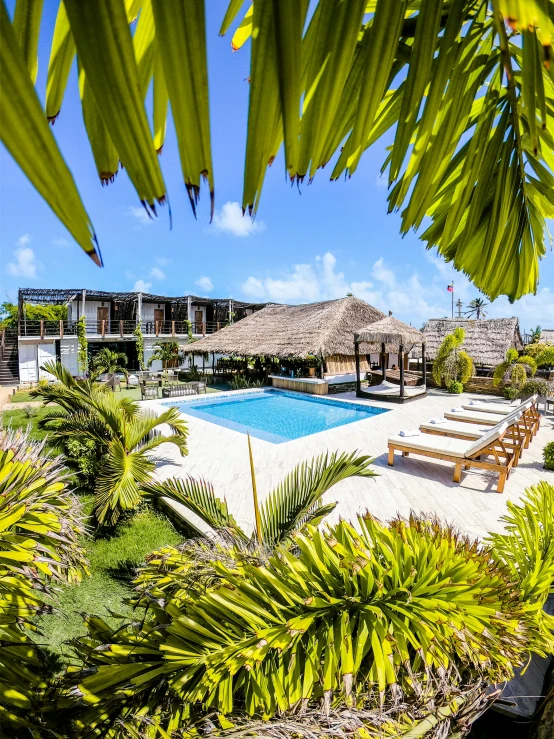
311	371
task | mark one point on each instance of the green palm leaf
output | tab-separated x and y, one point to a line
297	499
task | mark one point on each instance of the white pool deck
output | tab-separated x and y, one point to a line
414	483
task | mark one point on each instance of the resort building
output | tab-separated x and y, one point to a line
111	319
311	346
486	341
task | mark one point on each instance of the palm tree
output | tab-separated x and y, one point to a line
123	434
463	85
109	362
40	526
477	306
452	364
168	352
515	370
398	615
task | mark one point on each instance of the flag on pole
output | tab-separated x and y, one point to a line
450	288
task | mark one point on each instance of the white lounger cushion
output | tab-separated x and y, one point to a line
501	410
487	439
471	430
494	405
431	443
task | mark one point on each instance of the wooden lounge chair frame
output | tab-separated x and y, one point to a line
530	416
503	458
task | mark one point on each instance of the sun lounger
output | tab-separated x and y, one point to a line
516	437
492	407
463	454
532	416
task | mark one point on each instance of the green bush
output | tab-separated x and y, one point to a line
83	457
455	387
541	387
511	392
548	454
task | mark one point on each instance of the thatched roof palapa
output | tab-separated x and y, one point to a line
486	341
391	332
286	331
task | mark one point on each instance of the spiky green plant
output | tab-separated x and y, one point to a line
452	364
109	362
464	86
514	369
167	352
40	523
370	618
545	358
123	433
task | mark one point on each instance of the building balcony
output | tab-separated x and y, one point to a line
114	329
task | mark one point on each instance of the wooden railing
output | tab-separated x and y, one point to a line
108	327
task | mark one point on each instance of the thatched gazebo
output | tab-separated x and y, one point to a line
386	336
323	330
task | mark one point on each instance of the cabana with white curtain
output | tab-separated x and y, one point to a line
386	336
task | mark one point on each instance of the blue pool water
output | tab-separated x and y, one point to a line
278	416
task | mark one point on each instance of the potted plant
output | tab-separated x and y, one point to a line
312	364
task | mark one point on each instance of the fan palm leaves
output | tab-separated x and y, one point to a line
477	308
466	87
124	437
109	361
514	369
39	528
345	617
167	352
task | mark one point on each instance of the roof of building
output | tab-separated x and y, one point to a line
391	332
547	335
321	329
486	340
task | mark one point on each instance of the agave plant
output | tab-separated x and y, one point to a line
124	437
452	364
404	625
514	369
466	87
40	523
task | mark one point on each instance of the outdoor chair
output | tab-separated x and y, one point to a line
531	416
148	391
517	435
177	390
463	454
492	406
132	381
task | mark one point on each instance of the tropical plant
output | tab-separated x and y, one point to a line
536	334
515	370
108	362
455	387
82	346
548	456
465	86
398	624
545	358
9	313
452	364
168	352
535	348
537	386
40	522
477	308
122	433
242	382
139	344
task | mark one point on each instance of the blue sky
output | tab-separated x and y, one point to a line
315	243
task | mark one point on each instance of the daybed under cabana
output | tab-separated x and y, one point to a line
389	335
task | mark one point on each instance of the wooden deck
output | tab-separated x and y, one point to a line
413	484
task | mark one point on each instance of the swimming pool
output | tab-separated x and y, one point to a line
278	416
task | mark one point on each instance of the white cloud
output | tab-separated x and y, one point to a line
204	283
157	274
162	261
24	240
140	214
383	274
141	286
25	264
62	243
230	220
382	181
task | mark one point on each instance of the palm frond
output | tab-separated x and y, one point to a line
296	501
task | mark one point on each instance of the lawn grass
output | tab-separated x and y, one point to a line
113	560
22	396
20	419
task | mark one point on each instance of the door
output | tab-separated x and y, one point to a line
46	353
198	321
28	362
158	319
102	315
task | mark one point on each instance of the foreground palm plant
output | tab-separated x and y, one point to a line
124	437
514	369
404	625
452	364
466	87
40	523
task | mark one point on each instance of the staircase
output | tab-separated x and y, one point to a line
9	362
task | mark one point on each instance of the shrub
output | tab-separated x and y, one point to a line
452	363
515	370
545	358
455	387
241	382
548	454
538	386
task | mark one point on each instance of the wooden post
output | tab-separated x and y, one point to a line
203	328
42	329
218	325
383	361
173	328
61	329
213	365
157	328
121	329
358	379
401	365
424	361
103	328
